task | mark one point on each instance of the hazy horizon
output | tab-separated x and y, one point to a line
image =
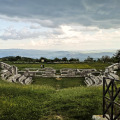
82	55
90	50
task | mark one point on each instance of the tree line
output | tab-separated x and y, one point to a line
114	58
42	59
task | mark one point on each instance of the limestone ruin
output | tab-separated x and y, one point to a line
92	80
10	73
50	72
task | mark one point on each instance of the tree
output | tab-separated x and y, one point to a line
117	56
43	59
18	57
74	59
57	59
106	59
89	59
64	59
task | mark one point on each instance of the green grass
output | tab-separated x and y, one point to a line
50	99
95	65
59	84
43	102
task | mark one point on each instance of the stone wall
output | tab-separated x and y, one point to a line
92	80
43	72
11	68
112	68
110	71
10	73
50	72
5	66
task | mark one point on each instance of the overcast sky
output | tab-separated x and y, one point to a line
60	24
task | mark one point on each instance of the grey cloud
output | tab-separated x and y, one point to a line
35	26
85	29
11	33
29	32
57	31
52	13
44	23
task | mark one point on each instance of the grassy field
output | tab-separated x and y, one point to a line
59	84
95	65
51	99
43	102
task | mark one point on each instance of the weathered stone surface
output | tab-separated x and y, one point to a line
98	117
92	80
4	71
21	79
110	72
10	73
10	79
113	76
28	81
113	67
16	77
5	75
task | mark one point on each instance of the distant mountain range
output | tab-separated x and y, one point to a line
52	54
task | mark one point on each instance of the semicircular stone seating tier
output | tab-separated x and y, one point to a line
10	73
110	72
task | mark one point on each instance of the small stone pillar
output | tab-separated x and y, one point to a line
14	70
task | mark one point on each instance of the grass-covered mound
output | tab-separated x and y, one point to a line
59	84
36	102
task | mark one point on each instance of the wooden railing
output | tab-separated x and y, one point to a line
111	99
